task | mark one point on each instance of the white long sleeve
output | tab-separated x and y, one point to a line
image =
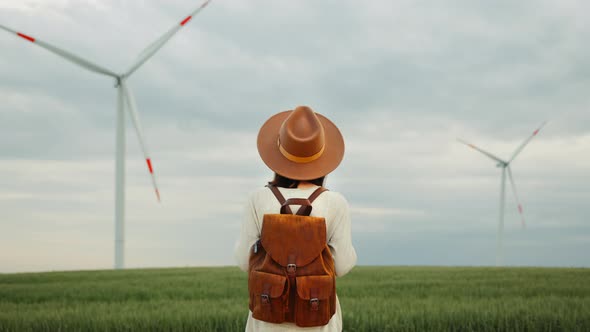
340	239
249	234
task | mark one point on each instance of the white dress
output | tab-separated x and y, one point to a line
330	205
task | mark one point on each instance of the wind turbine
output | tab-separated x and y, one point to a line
125	102
505	165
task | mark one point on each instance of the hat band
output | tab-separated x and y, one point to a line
300	160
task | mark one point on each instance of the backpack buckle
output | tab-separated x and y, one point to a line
291	269
264	299
315	304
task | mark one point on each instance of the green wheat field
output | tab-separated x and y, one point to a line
372	299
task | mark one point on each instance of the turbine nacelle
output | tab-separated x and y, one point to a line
118	81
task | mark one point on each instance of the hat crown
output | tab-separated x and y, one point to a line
302	134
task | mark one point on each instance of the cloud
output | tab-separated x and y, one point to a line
377	211
402	80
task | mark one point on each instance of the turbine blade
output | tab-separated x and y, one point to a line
516	196
132	108
64	54
149	51
489	155
526	141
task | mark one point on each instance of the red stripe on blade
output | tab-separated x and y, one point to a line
536	132
158	194
149	162
186	20
22	35
520	209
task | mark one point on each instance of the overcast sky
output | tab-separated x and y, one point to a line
402	80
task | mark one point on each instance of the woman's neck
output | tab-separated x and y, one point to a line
305	185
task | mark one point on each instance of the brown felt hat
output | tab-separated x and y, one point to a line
300	144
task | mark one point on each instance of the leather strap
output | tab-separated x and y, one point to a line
305	209
314	293
265	296
280	197
291	266
316	193
314	302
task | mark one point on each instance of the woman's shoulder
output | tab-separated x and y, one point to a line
334	197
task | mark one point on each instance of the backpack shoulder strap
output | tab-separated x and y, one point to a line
316	193
306	210
280	197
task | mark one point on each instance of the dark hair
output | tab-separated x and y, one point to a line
285	182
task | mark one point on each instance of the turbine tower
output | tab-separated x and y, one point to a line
505	165
125	102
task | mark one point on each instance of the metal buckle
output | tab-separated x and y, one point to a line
315	304
265	299
291	268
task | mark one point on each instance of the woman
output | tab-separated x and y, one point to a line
301	147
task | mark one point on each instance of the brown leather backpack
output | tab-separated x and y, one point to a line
291	273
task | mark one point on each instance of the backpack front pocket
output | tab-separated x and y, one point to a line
268	296
315	300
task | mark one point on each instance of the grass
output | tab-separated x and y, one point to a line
372	299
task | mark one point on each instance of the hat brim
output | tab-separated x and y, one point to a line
268	149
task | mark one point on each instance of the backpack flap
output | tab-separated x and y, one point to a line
319	287
262	283
293	239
